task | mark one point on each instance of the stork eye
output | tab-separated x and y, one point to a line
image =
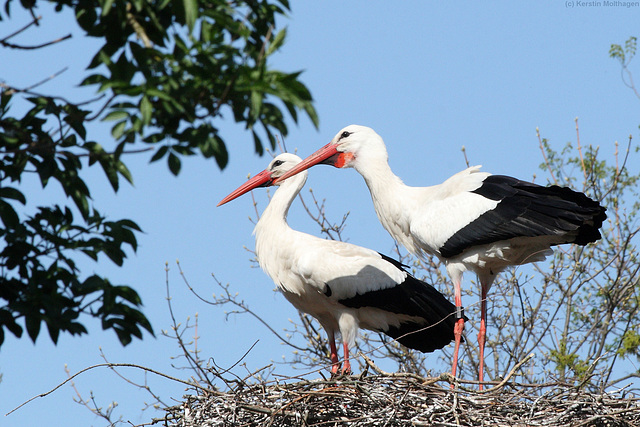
345	134
276	164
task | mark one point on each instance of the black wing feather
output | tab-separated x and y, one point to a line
416	298
529	210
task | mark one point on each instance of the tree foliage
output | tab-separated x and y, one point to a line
165	74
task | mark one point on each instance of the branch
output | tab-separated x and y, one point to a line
144	387
584	169
509	375
11	90
112	365
33	22
142	35
544	156
38	46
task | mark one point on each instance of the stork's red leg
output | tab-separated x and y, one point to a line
346	366
459	327
335	363
483	330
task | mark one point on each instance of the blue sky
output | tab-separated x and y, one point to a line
429	77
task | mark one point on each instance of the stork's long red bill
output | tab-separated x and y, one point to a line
263	179
328	154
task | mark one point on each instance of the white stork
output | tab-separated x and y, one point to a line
473	221
344	286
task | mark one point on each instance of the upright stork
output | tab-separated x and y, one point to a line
344	286
472	221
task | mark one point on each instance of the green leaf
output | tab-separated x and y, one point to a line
256	104
159	153
8	321
86	18
277	42
93	79
118	130
106	7
174	164
190	12
54	332
8	215
257	143
159	93
146	110
124	171
28	4
12	193
33	322
116	115
76	121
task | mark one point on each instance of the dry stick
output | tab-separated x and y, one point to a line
144	387
464	153
195	338
544	156
95	410
245	308
131	20
192	362
12	90
591	421
255	372
34	21
584	170
43	81
263	48
619	169
445	376
112	365
509	375
101	109
34	47
454	408
240	360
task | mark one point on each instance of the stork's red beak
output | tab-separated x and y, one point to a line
327	155
263	179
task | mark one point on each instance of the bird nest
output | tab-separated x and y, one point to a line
403	399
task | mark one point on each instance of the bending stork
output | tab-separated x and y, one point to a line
345	287
473	221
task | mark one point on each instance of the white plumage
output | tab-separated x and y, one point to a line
472	221
344	286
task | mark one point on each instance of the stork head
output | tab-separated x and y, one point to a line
351	147
268	177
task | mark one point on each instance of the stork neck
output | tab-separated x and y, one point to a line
385	186
272	230
393	202
275	213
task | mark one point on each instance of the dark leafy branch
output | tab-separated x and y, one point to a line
165	74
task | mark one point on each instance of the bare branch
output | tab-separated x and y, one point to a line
112	365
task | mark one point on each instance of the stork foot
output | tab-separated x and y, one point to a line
346	368
335	368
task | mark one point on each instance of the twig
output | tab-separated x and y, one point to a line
544	156
112	365
139	30
15	33
584	169
464	153
38	46
509	375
